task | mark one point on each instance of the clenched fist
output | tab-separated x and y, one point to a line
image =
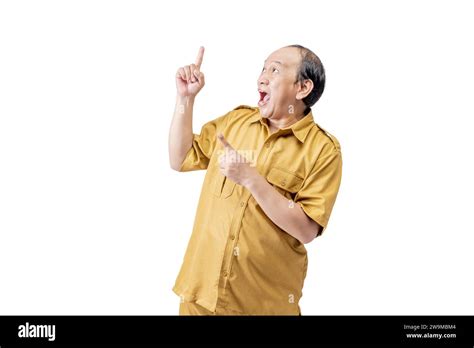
189	78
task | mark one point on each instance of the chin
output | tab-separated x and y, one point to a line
265	112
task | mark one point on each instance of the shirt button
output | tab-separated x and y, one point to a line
225	274
267	145
242	204
283	183
232	237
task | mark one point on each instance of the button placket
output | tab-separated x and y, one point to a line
229	253
235	226
265	150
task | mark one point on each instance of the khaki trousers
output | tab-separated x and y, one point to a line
191	308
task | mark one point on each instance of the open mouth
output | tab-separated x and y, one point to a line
264	98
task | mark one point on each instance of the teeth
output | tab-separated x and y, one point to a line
266	98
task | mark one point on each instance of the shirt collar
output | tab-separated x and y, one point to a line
300	129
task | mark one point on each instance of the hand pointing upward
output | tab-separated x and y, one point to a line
189	78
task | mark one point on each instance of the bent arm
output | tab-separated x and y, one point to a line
189	81
287	215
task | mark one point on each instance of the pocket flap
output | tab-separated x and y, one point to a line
223	186
285	180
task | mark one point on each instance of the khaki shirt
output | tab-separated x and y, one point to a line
237	258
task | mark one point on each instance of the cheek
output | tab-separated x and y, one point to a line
276	89
283	89
283	96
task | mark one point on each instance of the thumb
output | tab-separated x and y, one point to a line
224	142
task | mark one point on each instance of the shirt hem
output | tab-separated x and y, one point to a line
191	298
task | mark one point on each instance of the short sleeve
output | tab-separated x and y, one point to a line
319	190
203	145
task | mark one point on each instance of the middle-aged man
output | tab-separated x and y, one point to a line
272	179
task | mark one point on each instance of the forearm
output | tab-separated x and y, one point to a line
181	131
287	215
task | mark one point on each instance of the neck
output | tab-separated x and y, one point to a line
287	121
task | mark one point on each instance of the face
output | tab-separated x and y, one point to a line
276	84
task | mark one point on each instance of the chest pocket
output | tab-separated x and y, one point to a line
286	181
223	186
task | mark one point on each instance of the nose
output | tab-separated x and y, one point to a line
262	80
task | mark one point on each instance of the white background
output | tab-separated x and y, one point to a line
93	220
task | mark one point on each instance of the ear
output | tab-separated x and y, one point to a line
304	89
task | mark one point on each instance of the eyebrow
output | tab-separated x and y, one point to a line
275	61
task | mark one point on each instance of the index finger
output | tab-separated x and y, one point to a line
199	57
224	141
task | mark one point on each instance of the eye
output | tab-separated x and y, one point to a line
263	70
275	70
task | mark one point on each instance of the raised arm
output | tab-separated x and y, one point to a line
189	81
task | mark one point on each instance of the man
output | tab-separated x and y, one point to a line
272	179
